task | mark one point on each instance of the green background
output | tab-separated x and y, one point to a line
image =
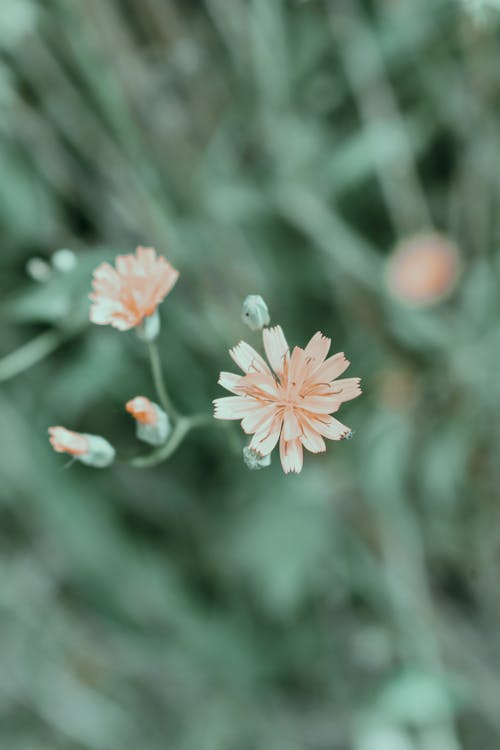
280	148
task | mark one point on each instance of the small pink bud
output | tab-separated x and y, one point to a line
152	424
92	450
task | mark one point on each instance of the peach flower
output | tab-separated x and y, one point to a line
124	296
290	402
423	269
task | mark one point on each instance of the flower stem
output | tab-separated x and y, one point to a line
181	429
31	353
159	381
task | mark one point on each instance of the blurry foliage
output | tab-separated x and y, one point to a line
282	148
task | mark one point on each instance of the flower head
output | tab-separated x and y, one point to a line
92	450
129	293
423	269
292	400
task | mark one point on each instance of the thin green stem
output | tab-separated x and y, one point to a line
159	381
182	427
31	353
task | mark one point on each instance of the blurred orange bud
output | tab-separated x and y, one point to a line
92	450
152	423
423	269
143	410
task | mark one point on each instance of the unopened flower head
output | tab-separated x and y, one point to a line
38	269
254	312
130	293
423	269
63	260
292	400
254	460
152	423
92	450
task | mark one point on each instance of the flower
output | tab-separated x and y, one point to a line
254	312
423	269
152	423
290	402
127	295
92	450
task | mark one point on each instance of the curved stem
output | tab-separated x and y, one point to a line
159	381
181	429
31	353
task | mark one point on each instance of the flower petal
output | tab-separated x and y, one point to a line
347	389
260	418
321	404
248	359
276	348
291	426
291	455
330	428
230	381
311	439
234	407
297	370
265	441
332	368
318	348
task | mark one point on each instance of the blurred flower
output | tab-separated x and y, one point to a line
152	424
63	260
255	313
423	269
253	459
291	404
38	269
126	296
92	450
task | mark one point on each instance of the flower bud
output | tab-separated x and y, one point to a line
92	450
152	424
254	312
38	269
149	329
254	460
63	260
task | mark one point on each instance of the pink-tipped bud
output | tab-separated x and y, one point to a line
92	450
152	424
142	409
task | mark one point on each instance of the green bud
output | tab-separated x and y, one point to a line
254	461
255	313
100	453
